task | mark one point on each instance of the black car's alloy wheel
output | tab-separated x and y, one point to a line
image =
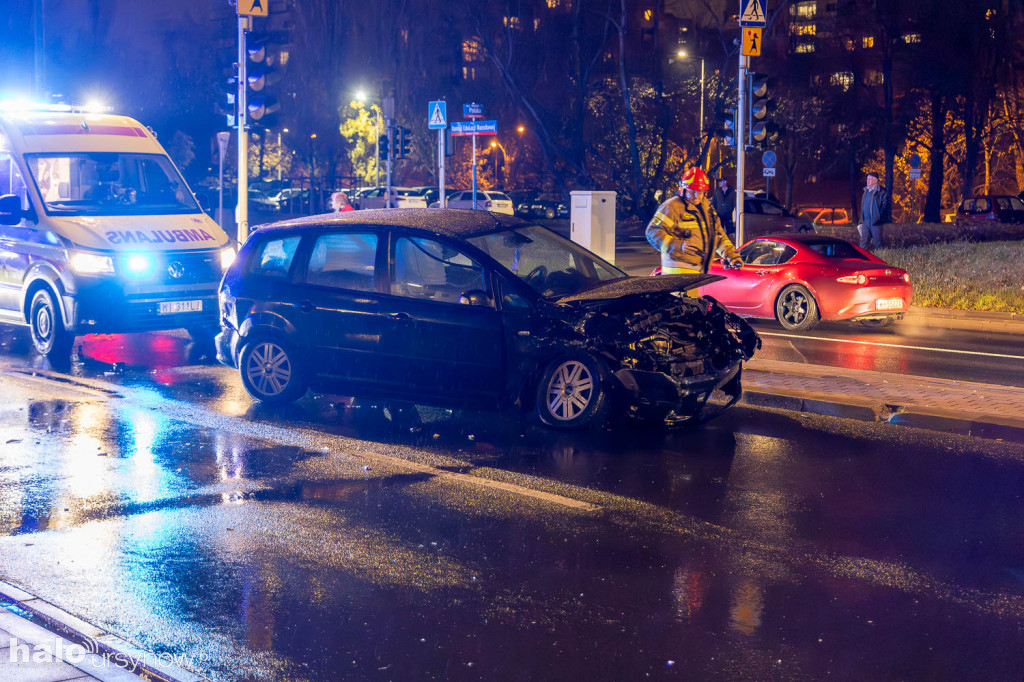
796	309
570	394
49	336
270	371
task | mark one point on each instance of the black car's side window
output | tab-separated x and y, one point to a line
427	269
274	257
343	261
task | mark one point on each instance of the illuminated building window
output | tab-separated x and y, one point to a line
842	79
283	56
912	38
804	10
536	24
512	22
867	41
803	29
468	73
553	4
848	44
872	77
648	14
472	51
804	48
405	35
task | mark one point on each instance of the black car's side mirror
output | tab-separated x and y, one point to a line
10	210
474	297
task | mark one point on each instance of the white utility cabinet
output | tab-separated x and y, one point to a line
592	222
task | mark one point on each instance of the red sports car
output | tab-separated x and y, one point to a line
799	279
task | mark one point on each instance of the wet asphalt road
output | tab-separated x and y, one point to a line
342	541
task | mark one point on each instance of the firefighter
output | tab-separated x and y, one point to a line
686	230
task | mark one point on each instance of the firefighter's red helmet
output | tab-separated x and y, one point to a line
695	179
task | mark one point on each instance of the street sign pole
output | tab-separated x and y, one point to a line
474	171
440	168
242	210
740	147
222	146
437	119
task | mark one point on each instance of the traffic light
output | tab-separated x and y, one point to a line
762	131
263	73
726	127
382	147
403	143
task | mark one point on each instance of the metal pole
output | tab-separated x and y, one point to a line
440	168
220	199
391	149
280	157
242	212
376	164
39	29
741	142
701	137
474	171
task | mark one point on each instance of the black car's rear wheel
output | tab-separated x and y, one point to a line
570	394
271	372
796	309
49	335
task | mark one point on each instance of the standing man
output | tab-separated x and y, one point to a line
874	212
686	230
339	202
724	202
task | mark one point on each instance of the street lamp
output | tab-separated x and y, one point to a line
682	56
495	144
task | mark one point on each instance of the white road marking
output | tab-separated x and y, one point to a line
894	345
308	439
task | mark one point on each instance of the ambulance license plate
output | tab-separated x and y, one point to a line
889	304
172	307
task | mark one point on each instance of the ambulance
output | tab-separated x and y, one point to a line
99	232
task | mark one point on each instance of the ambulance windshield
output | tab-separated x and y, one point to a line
109	183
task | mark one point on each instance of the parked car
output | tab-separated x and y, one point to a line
548	206
1001	208
827	216
430	193
470	309
766	216
521	199
486	200
401	197
800	279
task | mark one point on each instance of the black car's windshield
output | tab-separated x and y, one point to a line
110	183
553	267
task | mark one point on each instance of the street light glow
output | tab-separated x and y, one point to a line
681	54
521	129
360	96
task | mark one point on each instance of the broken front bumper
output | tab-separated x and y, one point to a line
656	394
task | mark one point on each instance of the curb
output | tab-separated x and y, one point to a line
95	640
878	412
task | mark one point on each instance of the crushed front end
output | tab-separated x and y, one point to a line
671	354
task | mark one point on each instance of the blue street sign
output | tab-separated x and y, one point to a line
768	159
474	127
753	13
437	115
472	111
915	161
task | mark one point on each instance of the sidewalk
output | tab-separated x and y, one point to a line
41	643
981	410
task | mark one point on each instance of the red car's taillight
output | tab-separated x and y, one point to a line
853	279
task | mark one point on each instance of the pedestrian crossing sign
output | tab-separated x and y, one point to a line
753	13
437	115
751	42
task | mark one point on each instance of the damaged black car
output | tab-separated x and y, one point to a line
467	309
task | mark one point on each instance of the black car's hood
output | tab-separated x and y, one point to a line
630	286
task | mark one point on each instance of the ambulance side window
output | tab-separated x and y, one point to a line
11	181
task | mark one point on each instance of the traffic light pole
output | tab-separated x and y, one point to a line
741	149
242	210
391	150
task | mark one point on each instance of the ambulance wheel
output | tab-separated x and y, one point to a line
49	335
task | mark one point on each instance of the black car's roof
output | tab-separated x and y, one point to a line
450	222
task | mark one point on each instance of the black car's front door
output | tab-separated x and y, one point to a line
339	307
442	338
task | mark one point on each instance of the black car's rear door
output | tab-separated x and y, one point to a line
339	306
434	347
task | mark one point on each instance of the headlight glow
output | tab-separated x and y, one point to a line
92	264
227	257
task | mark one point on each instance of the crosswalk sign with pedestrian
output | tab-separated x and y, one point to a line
437	116
753	14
